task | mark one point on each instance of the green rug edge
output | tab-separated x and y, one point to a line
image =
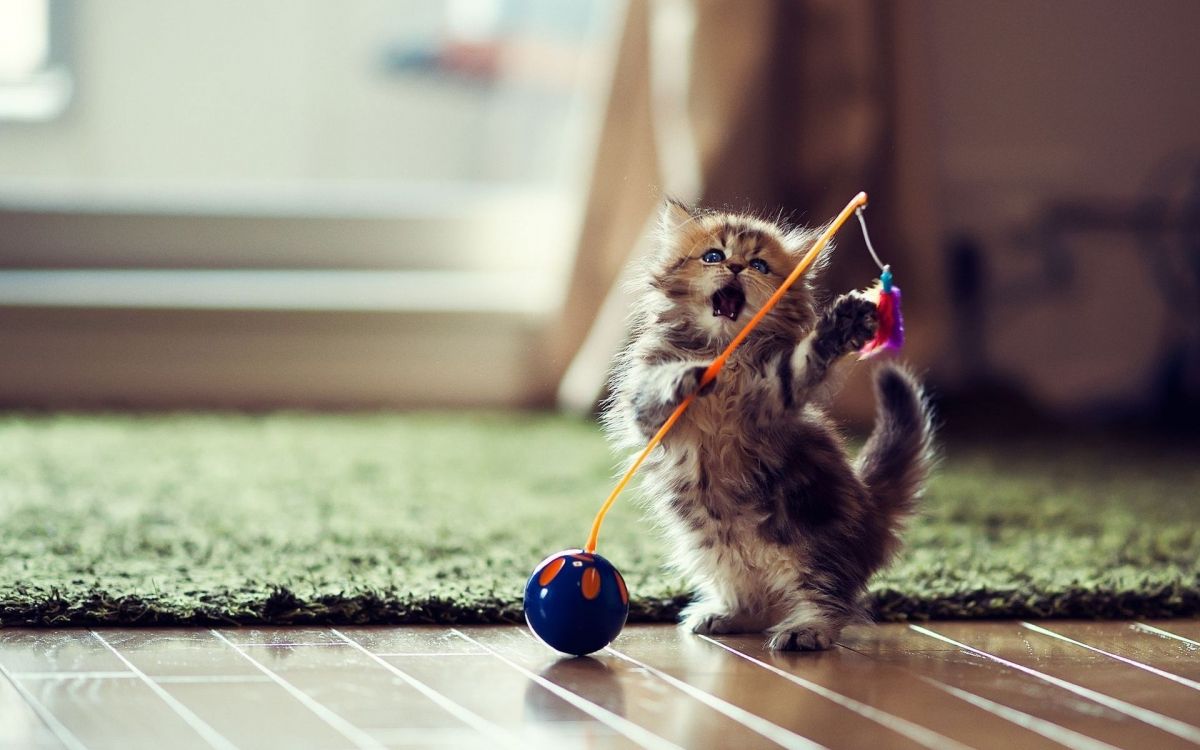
285	607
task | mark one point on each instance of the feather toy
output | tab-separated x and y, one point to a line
889	332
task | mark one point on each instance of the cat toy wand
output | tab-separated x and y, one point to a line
576	601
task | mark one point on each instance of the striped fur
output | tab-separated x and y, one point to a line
767	515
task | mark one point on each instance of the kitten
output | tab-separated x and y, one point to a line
777	528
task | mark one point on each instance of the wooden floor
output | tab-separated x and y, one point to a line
988	685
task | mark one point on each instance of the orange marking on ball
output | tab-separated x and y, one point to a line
591	583
621	587
585	558
551	570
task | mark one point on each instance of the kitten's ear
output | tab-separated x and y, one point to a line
799	241
675	213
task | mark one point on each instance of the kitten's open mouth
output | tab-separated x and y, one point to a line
728	301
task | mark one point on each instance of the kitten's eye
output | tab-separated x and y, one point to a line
760	265
712	256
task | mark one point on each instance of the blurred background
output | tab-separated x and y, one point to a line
428	203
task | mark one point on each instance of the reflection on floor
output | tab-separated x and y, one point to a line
938	685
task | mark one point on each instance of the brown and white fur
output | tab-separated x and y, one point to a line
769	518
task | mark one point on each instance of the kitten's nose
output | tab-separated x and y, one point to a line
736	268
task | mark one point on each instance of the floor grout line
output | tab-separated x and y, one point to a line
358	737
915	732
393	735
755	723
201	727
485	727
287	645
1048	729
435	654
638	734
157	678
1124	659
1164	633
56	727
75	675
1152	718
203	679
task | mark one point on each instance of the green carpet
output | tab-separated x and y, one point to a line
289	518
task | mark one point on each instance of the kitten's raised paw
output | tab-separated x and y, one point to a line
801	639
849	323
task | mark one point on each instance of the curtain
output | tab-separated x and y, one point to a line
767	106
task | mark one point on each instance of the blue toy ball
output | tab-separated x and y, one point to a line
576	602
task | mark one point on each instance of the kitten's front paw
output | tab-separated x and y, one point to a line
801	639
706	619
848	324
710	624
689	383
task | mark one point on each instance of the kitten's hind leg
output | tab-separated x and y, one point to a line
809	625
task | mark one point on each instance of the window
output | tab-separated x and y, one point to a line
34	82
239	163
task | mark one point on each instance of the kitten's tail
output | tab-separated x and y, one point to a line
895	462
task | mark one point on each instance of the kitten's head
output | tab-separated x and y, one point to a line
715	270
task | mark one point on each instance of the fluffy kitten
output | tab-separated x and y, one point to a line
770	519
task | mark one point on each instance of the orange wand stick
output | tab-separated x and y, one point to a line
710	374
